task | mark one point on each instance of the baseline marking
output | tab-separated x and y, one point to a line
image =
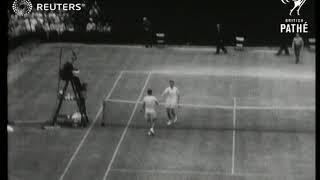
162	171
277	107
263	51
29	122
126	128
284	76
229	107
89	130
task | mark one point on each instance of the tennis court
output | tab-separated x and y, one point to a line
242	116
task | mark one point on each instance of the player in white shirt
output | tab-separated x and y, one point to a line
149	103
297	46
172	98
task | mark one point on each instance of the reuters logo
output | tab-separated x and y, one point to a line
22	7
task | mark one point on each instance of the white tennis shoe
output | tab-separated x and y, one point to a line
151	132
175	119
9	128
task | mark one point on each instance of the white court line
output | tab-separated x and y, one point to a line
28	122
263	51
126	129
89	129
185	105
205	106
228	107
192	48
122	101
136	72
234	111
191	172
234	134
277	107
275	75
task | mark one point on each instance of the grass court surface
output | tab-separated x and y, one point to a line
245	115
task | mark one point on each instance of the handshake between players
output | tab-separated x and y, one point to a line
149	103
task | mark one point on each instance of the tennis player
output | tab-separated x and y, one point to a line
297	46
148	104
172	98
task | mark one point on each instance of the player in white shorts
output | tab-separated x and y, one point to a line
172	98
297	46
149	103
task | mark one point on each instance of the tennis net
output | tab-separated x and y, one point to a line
214	117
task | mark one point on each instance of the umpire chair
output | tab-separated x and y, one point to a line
79	91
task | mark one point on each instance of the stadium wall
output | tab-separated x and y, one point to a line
190	23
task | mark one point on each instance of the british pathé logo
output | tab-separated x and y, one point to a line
22	7
297	4
295	24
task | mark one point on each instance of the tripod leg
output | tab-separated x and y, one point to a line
80	103
54	119
76	93
84	110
